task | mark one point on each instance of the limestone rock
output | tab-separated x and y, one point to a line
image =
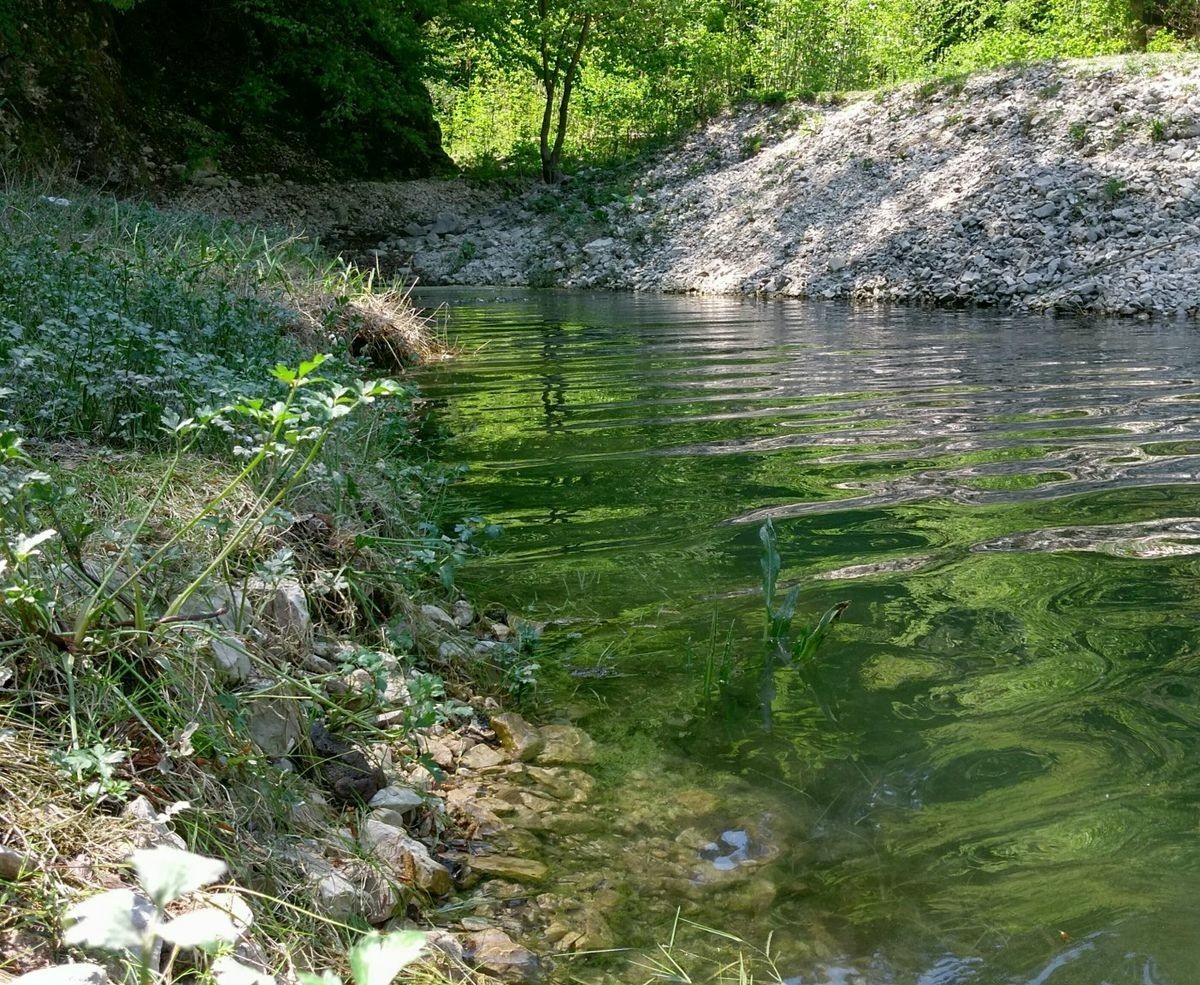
273	719
464	614
289	609
518	736
408	859
229	657
402	800
494	951
482	757
438	616
152	829
510	867
565	744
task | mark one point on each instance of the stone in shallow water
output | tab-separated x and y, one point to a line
566	744
518	736
510	867
494	951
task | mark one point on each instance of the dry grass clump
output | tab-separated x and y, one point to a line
70	846
376	322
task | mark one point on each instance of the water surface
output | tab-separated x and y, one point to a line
992	775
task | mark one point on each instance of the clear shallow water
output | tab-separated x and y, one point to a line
1009	791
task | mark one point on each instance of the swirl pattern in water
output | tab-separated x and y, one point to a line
990	773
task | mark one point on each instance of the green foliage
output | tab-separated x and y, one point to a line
669	65
1115	189
1158	130
108	922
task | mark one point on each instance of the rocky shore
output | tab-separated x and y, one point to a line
1070	186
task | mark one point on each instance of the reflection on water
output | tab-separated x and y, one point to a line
1009	792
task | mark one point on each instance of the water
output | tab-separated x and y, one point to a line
993	774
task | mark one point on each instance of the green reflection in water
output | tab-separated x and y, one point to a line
1015	683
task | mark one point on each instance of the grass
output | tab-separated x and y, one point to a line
694	953
165	447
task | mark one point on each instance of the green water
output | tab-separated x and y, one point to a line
992	775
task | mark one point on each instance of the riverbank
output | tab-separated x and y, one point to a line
1072	186
230	622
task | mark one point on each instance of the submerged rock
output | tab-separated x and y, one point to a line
564	744
494	951
510	867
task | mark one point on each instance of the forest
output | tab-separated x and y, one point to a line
394	88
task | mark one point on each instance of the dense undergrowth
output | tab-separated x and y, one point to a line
169	456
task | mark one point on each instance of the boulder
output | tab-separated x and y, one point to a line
272	716
482	757
438	616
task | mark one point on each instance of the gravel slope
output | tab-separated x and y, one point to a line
1068	186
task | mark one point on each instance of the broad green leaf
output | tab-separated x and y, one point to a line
66	974
168	873
200	928
104	921
26	547
227	971
376	960
325	978
308	365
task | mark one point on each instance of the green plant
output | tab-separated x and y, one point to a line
1158	130
794	644
1115	189
94	766
110	922
1077	132
751	145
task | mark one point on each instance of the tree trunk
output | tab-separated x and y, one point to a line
552	156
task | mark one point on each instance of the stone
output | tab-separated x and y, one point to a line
517	735
289	610
14	865
228	656
482	757
510	867
79	973
401	800
562	783
407	858
273	720
447	223
438	616
494	951
464	614
152	829
563	744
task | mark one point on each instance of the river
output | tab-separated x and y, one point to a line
990	773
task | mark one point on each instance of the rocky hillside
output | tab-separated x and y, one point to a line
1072	186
